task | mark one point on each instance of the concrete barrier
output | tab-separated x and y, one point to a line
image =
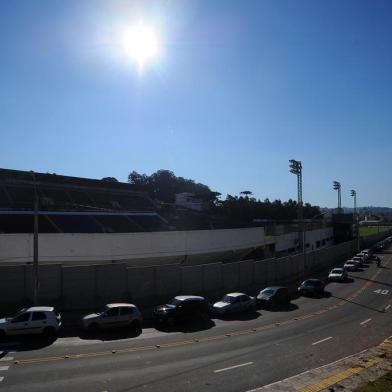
78	287
50	288
167	281
213	279
192	279
141	284
12	286
231	276
246	272
261	272
81	287
111	283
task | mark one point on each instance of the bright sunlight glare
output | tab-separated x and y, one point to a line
140	44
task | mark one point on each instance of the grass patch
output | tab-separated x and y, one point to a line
382	384
364	231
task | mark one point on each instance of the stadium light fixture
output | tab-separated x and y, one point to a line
35	242
338	187
296	169
353	194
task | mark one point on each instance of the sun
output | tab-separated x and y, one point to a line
140	43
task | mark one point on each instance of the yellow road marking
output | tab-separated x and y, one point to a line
329	381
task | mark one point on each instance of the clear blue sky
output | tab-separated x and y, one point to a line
240	88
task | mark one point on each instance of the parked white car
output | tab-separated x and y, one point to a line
359	259
338	274
233	303
351	265
35	320
114	316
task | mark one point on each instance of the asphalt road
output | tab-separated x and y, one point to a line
234	355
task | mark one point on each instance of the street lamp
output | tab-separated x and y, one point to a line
296	169
353	194
338	187
35	243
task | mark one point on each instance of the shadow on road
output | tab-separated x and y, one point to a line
281	308
325	294
374	281
244	316
110	334
348	280
25	343
187	327
358	304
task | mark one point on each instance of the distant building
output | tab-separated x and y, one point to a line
189	200
370	222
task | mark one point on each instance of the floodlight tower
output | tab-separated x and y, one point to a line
338	187
296	169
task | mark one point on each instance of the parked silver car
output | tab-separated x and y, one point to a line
35	320
233	303
351	265
338	274
113	316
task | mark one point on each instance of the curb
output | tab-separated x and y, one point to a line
344	374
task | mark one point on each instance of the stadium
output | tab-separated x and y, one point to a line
88	221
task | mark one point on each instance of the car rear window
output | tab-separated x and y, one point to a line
126	311
39	316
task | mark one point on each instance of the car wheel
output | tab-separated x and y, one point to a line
204	316
49	332
94	327
171	322
135	325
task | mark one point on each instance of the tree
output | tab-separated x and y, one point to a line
246	193
164	184
109	179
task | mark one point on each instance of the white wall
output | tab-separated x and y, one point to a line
287	241
147	248
127	246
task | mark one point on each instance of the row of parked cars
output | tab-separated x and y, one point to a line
45	319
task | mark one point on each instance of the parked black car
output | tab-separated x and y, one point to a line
182	308
311	287
273	296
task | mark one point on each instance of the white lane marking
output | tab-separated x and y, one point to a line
6	359
233	367
365	322
387	307
322	340
2	368
1	379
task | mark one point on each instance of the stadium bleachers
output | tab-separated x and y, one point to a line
74	205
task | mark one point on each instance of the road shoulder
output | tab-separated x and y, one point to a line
345	374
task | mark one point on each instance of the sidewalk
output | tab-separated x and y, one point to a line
346	374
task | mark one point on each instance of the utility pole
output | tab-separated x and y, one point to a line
296	169
35	244
356	217
338	187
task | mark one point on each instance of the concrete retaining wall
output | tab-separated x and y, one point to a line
89	286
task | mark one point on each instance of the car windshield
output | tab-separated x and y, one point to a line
309	282
337	271
229	299
16	314
174	302
267	292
